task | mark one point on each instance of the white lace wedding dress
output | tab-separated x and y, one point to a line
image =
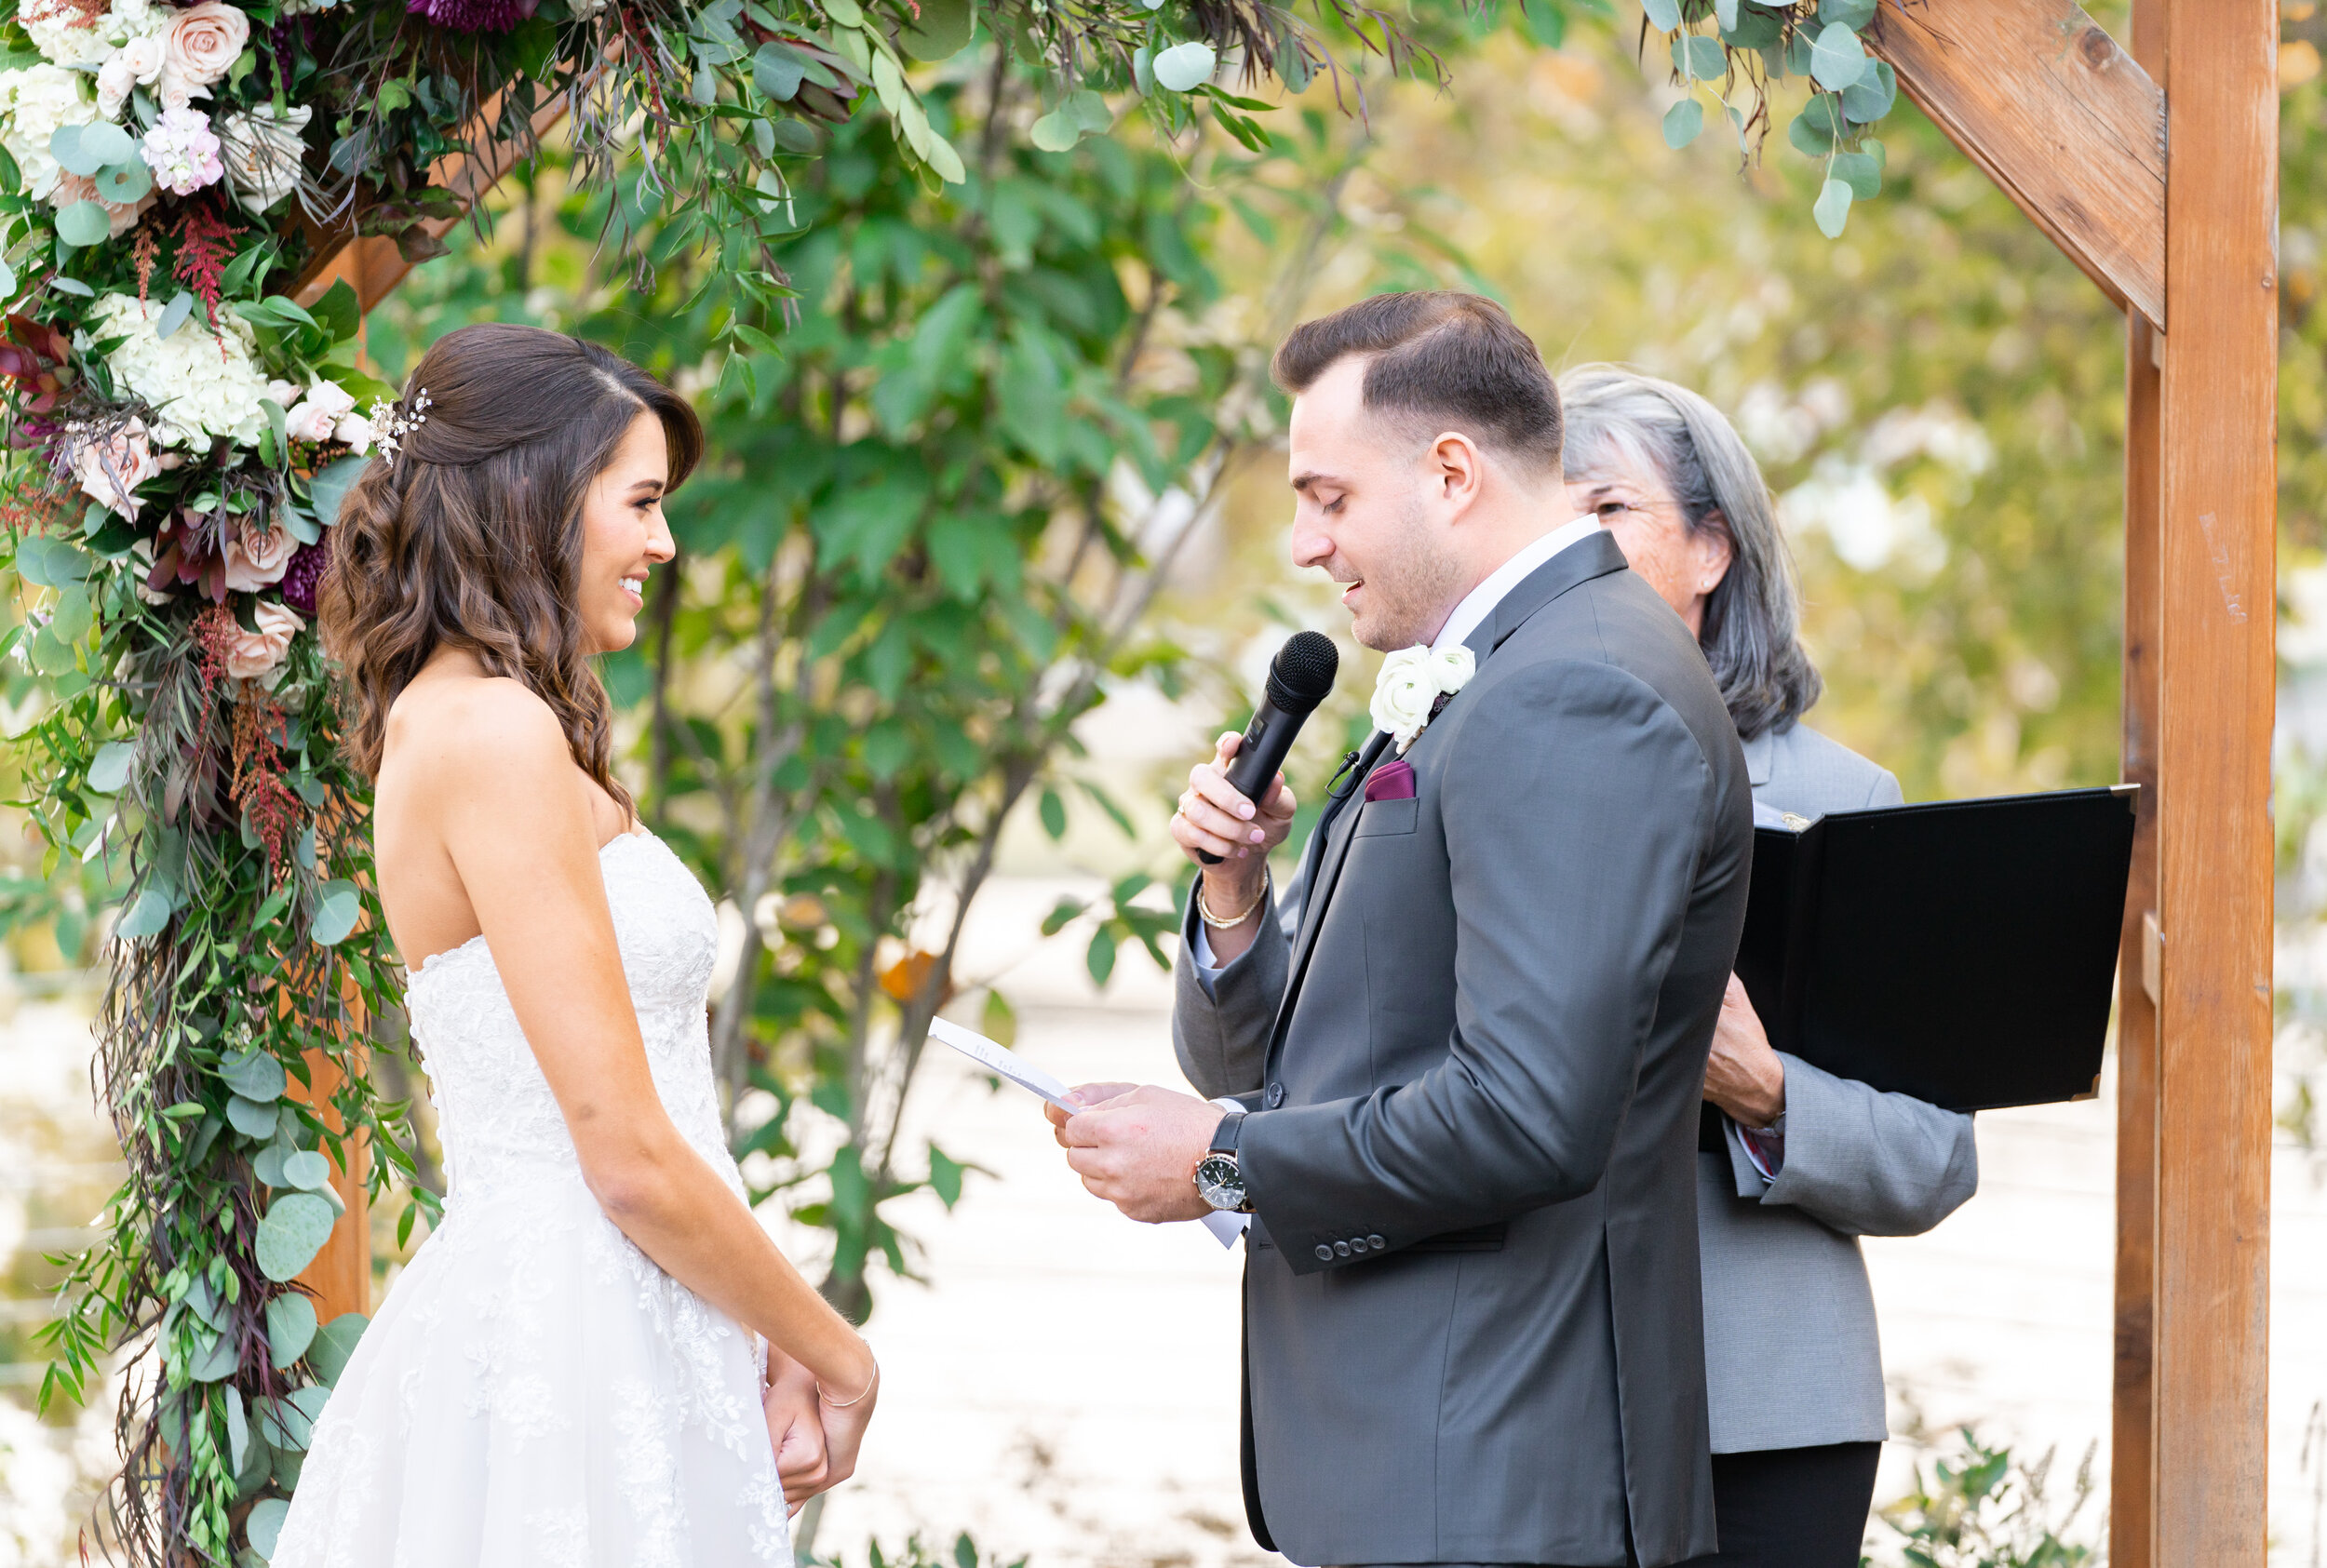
535	1390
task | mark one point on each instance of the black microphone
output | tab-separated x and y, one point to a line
1299	677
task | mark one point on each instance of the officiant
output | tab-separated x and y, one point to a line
1794	1163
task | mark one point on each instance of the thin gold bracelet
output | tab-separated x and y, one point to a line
1204	911
843	1404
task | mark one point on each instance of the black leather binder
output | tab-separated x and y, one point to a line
1963	952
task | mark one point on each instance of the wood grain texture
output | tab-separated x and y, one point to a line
340	1274
2216	673
373	266
2130	1446
2074	131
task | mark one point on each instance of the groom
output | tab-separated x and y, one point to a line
1468	1078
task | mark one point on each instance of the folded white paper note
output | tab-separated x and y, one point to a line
999	1058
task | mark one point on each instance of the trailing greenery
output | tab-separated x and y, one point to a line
1980	1506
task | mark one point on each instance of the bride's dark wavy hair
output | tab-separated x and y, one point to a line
470	536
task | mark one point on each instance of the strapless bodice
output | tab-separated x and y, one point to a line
500	1127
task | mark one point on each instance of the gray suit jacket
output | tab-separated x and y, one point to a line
1473	1331
1792	1355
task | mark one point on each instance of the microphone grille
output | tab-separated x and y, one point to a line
1301	675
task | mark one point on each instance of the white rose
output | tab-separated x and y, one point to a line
136	64
257	556
258	654
356	431
34	103
318	414
262	153
111	469
198	382
1410	684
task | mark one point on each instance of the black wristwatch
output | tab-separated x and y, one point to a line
1218	1181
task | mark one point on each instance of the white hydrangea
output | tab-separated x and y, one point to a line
65	33
197	381
34	103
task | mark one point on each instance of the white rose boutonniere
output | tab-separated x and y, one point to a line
1412	679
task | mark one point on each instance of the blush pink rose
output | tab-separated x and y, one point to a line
256	557
316	416
204	42
110	470
257	654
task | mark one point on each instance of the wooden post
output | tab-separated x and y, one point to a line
2130	1449
2216	671
340	1274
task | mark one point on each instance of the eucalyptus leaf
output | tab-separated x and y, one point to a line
205	1304
217	1358
254	1073
941	30
267	1165
335	1341
777	70
1186	66
264	1525
109	770
307	1169
1870	98
1837	59
1057	131
64	145
1852	14
794	137
1861	172
1833	208
1698	58
1806	137
336	912
291	1328
251	1118
1682	122
1725	14
1663	15
294	1230
124	183
101	145
85	223
238	1430
146	915
329	489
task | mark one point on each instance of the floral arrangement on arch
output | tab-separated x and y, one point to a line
185	403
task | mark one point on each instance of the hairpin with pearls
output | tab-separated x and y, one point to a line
390	422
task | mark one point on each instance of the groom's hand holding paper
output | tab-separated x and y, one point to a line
1139	1150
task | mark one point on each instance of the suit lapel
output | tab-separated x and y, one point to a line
1594	555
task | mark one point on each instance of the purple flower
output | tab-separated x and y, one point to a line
304	571
473	16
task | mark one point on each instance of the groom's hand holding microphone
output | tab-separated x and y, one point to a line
1230	837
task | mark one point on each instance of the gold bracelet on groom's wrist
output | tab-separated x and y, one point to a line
1228	922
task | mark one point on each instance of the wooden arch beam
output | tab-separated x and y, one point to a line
2067	123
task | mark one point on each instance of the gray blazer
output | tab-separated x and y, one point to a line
1791	1356
1473	1331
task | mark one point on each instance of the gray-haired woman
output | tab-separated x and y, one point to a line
1794	1164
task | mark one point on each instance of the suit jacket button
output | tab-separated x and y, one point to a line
1376	1243
1342	1248
1325	1253
1276	1096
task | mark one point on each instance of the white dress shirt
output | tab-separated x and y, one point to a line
1476	606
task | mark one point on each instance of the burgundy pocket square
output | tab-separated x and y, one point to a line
1391	781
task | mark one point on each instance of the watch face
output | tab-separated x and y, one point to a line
1219	1183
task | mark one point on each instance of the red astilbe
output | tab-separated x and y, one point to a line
255	783
145	250
206	246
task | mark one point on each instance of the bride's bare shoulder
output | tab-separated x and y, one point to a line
456	726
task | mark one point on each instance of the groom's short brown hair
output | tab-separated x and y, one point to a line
1440	359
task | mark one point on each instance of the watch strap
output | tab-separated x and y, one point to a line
1224	1136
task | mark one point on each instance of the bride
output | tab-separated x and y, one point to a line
599	1358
